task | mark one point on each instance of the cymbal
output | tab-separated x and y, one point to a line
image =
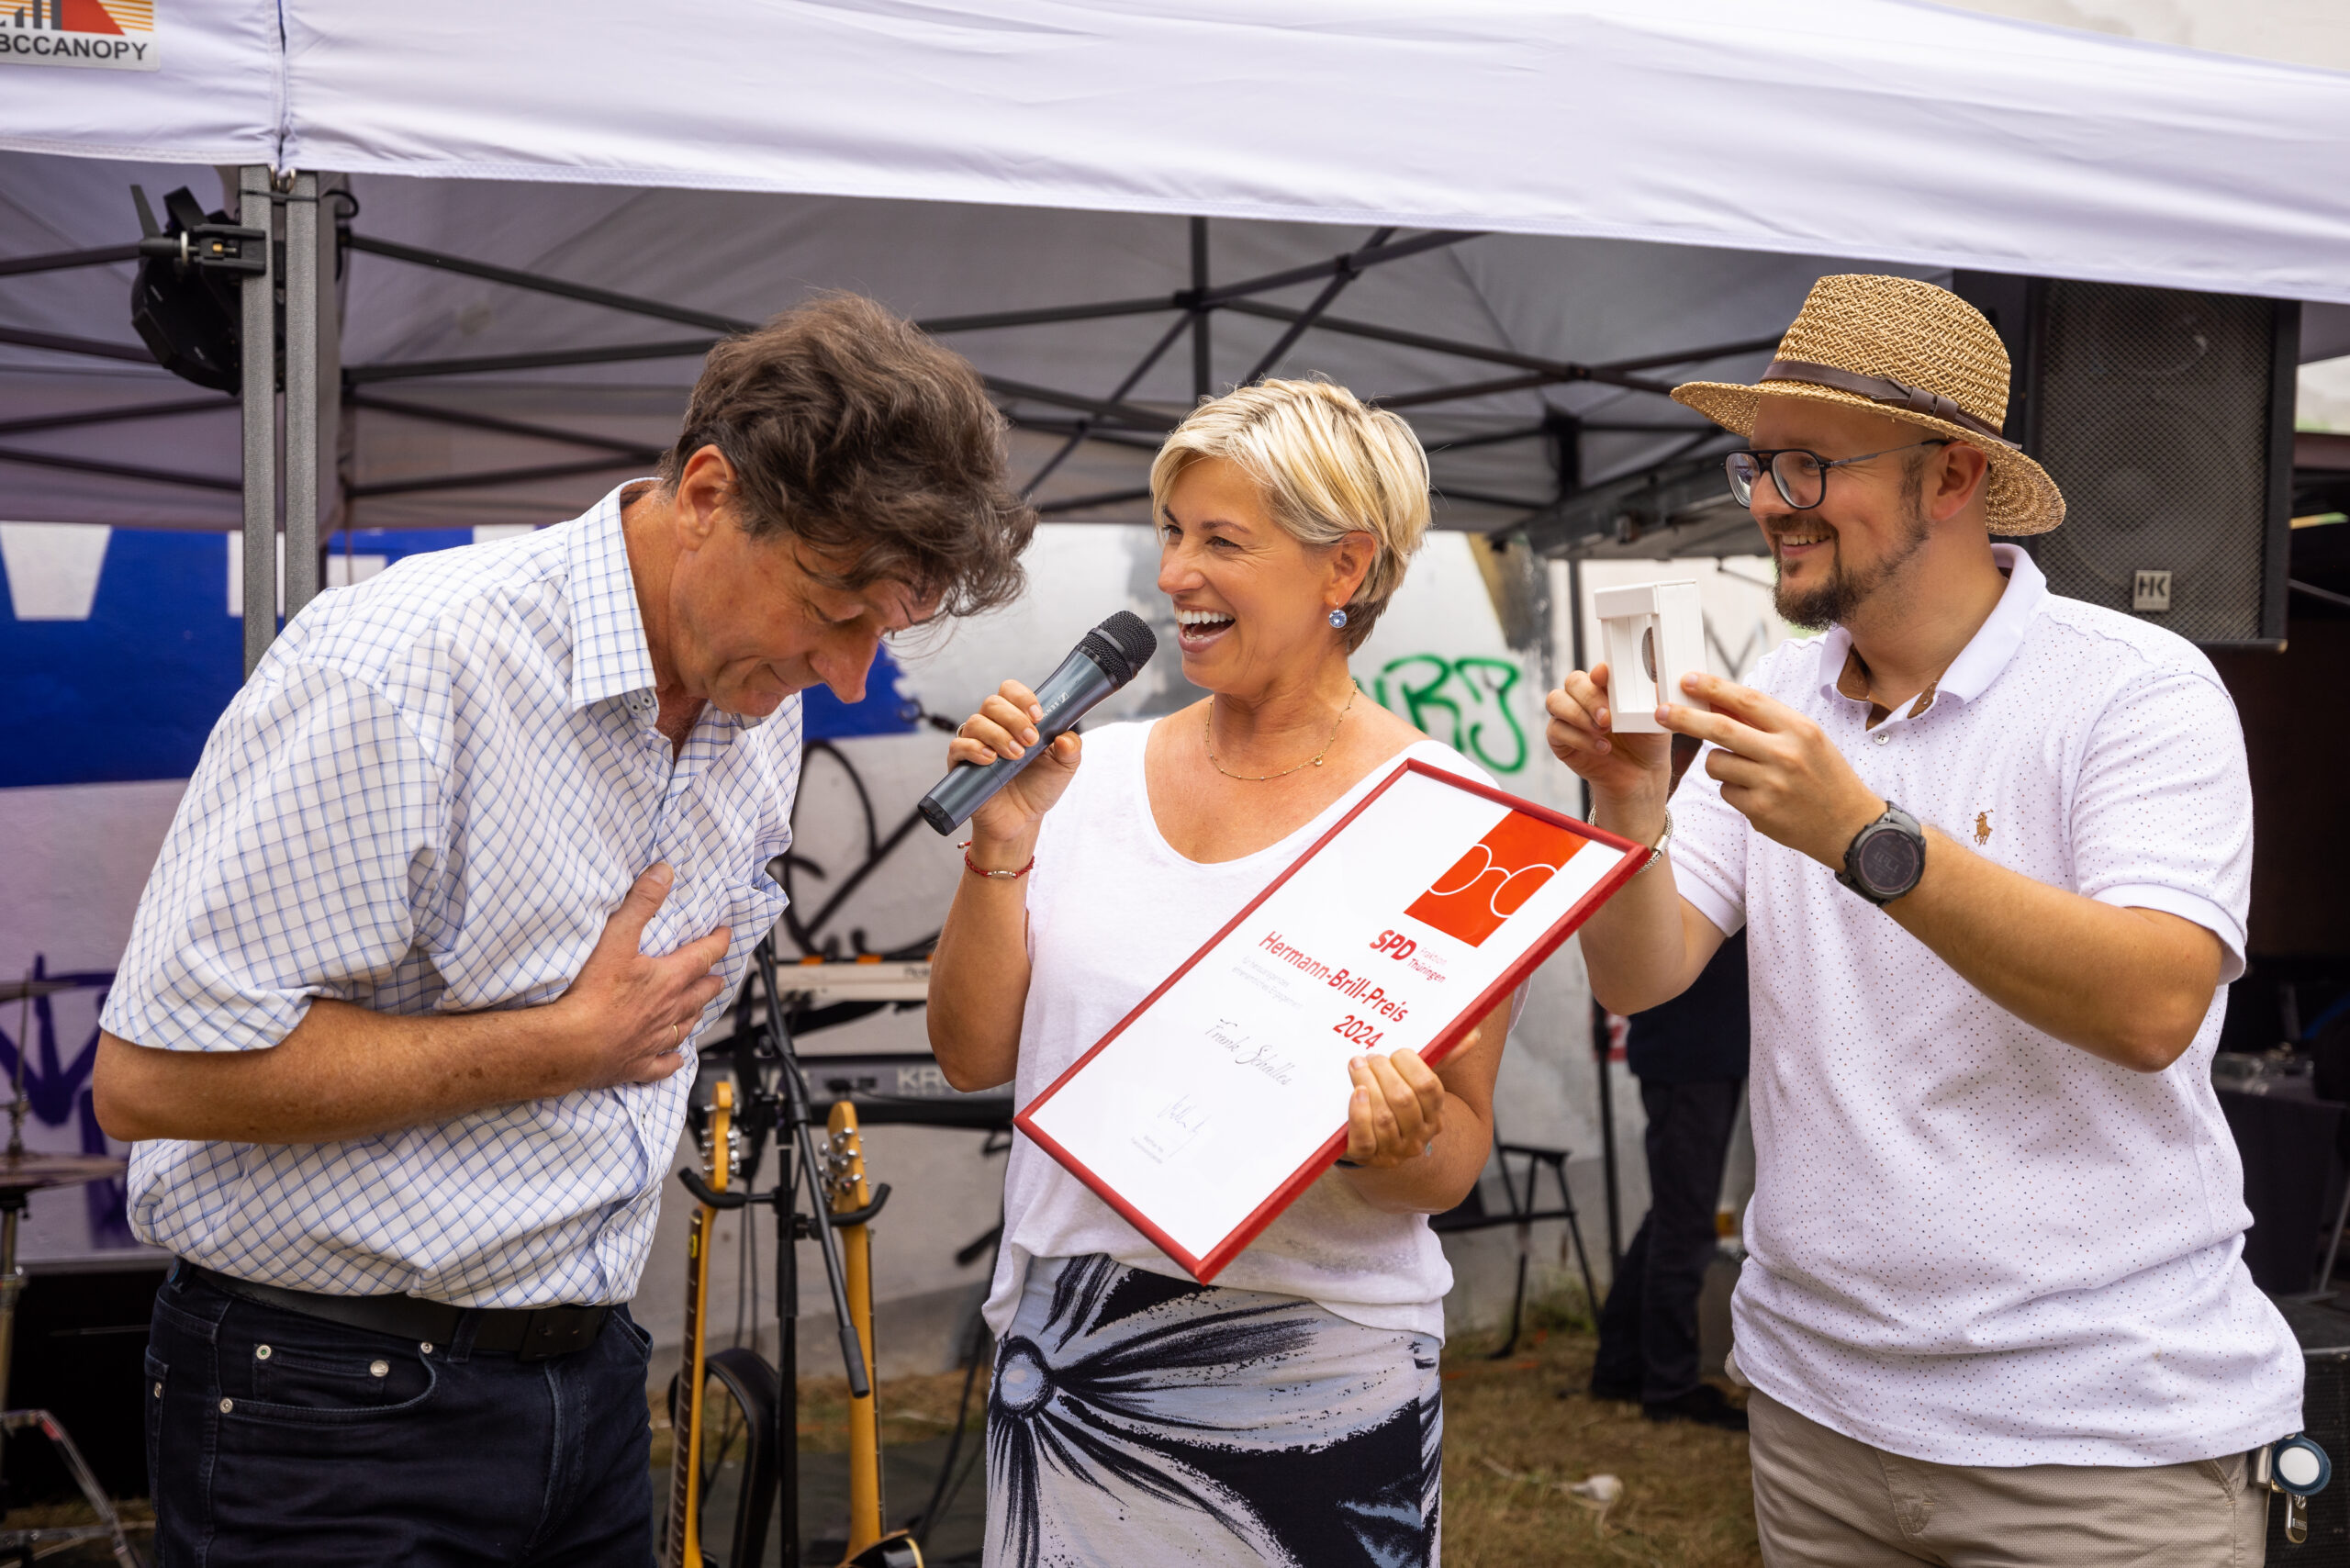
29	1171
16	990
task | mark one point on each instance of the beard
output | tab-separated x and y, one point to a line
1835	602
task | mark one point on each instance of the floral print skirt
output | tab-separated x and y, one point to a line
1148	1422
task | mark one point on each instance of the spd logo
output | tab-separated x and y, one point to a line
1493	881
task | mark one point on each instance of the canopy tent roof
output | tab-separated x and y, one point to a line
1628	187
1841	128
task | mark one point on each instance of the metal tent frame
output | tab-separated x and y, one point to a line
287	289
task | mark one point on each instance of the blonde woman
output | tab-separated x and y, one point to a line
1288	1414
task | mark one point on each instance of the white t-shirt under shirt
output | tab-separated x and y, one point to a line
1971	1243
1113	910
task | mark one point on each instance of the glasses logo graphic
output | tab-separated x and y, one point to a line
1495	878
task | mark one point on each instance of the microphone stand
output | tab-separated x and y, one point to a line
775	1098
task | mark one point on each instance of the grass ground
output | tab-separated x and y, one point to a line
1518	1432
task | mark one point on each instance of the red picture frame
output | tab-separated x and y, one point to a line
1205	1269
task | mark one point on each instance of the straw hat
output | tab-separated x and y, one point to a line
1908	351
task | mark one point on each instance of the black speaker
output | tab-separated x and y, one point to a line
2323	1331
2166	419
80	1355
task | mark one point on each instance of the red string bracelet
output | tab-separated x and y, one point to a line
978	870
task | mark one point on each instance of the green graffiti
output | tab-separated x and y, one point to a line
1432	692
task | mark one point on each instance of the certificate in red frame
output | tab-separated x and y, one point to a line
1211	1106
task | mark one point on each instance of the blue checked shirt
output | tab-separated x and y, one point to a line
429	798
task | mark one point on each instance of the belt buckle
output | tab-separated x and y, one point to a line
553	1331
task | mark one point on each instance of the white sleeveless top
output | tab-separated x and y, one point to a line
1113	909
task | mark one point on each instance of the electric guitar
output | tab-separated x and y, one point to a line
685	1416
844	1178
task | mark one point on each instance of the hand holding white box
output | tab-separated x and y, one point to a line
1652	634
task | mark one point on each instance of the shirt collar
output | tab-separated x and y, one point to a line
608	654
1995	641
1986	654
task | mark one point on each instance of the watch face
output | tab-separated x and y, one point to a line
1889	861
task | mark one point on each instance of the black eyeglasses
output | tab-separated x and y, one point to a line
1799	476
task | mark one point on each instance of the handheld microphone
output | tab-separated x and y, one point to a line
1104	660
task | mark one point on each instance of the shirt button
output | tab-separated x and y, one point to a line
1882	737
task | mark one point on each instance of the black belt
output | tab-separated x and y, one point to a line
530	1333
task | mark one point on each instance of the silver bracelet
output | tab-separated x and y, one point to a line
1656	850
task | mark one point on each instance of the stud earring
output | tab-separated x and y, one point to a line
1338	620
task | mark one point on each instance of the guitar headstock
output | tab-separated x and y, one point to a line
844	1159
722	1143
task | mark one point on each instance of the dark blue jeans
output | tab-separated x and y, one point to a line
277	1438
1648	1330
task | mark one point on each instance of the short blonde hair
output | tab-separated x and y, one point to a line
1327	466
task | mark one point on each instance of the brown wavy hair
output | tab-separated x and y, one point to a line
849	428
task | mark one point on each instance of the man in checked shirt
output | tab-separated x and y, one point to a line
466	866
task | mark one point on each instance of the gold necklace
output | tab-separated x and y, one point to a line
1207	732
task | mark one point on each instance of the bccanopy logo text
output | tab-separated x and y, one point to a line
95	35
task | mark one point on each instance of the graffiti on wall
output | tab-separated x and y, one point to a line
1464	702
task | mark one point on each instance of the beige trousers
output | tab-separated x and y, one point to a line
1822	1500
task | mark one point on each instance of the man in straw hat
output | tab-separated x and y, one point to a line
1994	850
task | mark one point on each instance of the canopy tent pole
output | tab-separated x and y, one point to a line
301	395
1202	364
1600	1041
258	344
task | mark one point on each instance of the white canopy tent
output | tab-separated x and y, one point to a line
1897	130
1566	207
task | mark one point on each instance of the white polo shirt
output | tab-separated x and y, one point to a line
1971	1243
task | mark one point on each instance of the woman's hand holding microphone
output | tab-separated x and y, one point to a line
1003	831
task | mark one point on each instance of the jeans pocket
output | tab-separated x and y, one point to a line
355	1379
638	1335
281	1366
315	1391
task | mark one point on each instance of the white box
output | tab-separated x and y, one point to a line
1651	634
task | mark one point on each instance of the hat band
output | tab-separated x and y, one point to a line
1883	389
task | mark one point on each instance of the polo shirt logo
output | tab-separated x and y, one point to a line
1494	879
1982	827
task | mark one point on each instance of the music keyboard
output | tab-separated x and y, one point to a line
904	1088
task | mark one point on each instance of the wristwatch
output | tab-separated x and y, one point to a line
1886	858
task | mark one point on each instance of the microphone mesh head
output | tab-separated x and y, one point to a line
1127	644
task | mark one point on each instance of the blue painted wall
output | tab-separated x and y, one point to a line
131	692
